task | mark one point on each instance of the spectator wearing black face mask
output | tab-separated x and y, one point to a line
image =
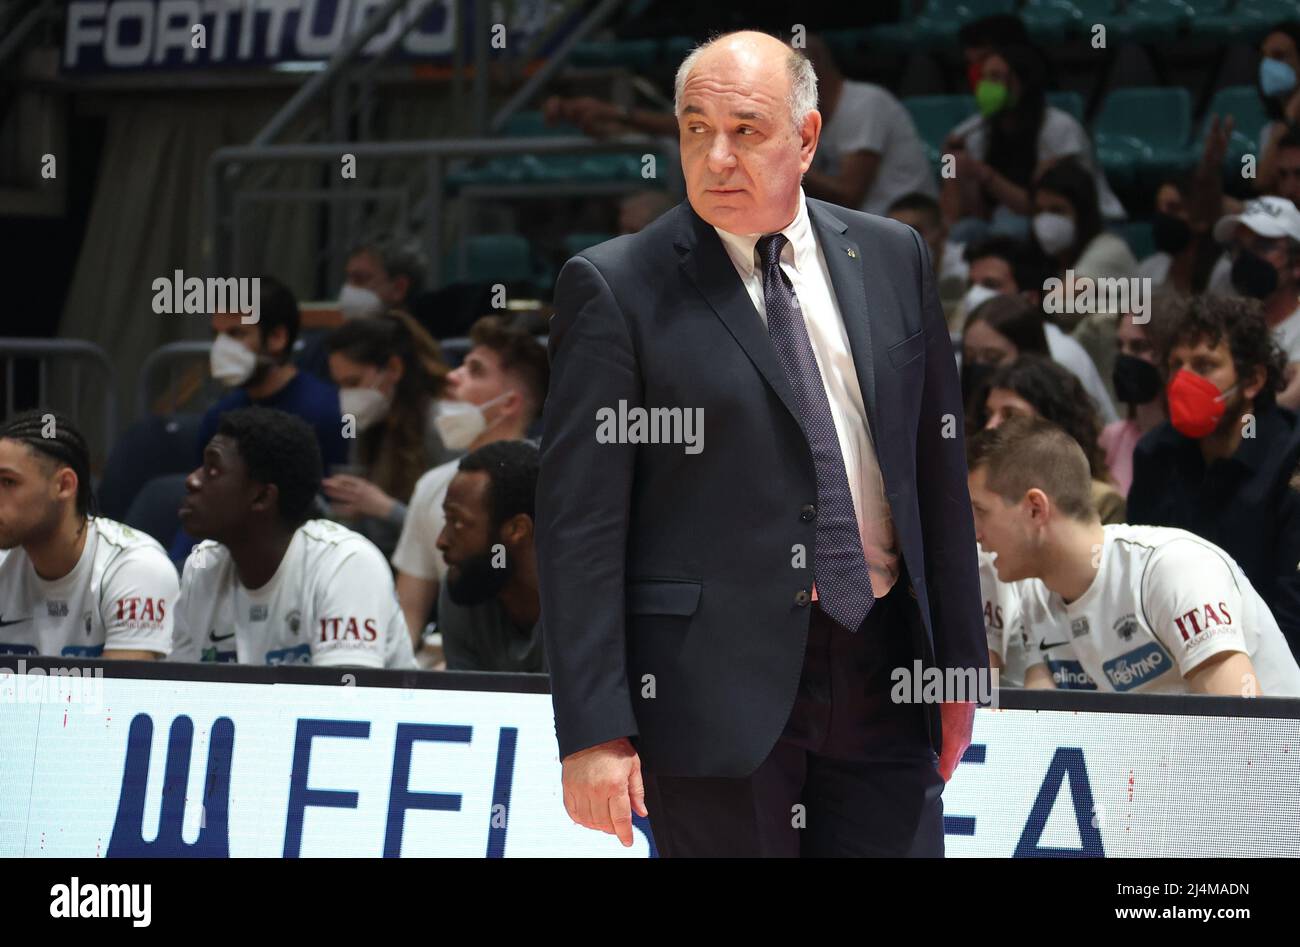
1183	256
1138	384
1264	244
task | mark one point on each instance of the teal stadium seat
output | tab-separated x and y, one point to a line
1142	133
491	258
1149	21
1242	103
635	54
1048	21
937	26
935	116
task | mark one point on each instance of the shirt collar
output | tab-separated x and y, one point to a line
799	234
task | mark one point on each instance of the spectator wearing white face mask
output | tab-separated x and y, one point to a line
381	276
1067	226
253	361
386	403
496	394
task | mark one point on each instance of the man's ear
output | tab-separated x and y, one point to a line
276	342
65	483
1040	504
518	529
266	498
1255	384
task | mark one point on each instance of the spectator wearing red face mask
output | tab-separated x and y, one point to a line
1220	466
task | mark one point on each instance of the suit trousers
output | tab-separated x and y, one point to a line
852	774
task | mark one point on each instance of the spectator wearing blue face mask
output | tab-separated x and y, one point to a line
1279	90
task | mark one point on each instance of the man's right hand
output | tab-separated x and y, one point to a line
602	785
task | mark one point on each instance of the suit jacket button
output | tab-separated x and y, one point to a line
802	597
808	513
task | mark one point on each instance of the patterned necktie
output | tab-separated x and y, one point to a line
840	568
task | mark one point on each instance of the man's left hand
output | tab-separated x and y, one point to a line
958	718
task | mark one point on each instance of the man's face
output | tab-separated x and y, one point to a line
34	491
1132	340
479	379
1213	363
1273	250
1003	404
1169	201
1288	175
219	495
994	273
1002	528
467	539
365	271
741	158
251	338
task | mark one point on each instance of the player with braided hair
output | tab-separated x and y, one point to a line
72	583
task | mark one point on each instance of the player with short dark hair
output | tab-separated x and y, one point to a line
270	584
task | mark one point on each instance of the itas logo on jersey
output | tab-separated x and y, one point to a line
1206	620
140	612
1070	676
56	609
347	629
1137	667
992	616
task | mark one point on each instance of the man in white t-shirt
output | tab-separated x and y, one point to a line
1117	608
72	584
269	585
870	153
495	394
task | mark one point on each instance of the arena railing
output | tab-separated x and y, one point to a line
44	352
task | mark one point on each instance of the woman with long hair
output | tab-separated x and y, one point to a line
386	398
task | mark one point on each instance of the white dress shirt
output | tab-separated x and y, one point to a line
803	261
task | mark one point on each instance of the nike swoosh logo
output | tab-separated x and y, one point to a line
16	621
213	636
1044	646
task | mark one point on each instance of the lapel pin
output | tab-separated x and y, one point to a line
853	254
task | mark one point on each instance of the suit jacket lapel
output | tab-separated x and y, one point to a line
706	263
845	261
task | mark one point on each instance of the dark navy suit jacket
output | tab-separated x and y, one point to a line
671	597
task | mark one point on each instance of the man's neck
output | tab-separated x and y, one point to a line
1072	559
520	597
503	432
276	378
1225	440
54	556
1280	305
258	557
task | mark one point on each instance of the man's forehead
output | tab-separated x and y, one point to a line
468	487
